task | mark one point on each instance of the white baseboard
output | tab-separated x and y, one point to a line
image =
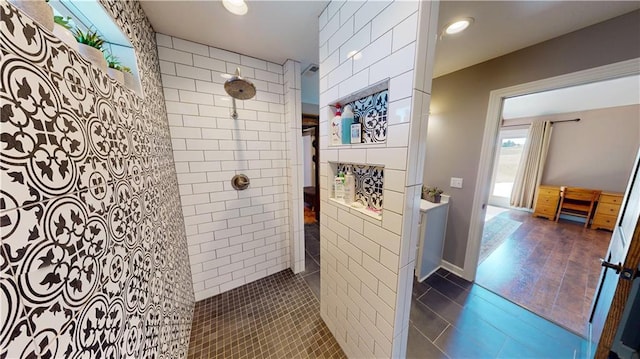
453	269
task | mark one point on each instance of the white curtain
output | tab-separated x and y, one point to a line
531	165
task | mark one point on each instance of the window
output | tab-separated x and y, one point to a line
508	154
89	14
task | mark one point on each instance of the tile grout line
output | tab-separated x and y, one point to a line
503	345
431	309
425	292
436	345
472	311
454	283
442	332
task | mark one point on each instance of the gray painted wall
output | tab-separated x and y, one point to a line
459	107
597	152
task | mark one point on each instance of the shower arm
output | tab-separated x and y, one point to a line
234	114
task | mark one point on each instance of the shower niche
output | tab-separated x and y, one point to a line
369	185
370	107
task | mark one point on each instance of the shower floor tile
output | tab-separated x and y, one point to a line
274	317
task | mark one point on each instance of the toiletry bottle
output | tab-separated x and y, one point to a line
347	120
335	127
356	132
349	187
339	187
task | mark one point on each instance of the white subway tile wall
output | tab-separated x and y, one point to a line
293	130
234	237
367	264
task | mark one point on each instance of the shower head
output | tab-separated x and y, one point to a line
239	88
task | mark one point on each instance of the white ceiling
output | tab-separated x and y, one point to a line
271	30
611	93
278	30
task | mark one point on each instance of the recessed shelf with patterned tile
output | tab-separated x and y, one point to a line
370	107
369	182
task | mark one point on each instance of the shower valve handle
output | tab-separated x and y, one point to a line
240	182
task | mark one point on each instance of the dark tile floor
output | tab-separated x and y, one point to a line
279	317
550	268
274	317
453	318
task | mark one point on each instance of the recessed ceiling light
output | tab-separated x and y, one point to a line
458	26
236	7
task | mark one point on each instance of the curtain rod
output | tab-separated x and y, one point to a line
526	124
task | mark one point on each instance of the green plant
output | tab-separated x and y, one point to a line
63	21
90	38
431	191
113	61
125	69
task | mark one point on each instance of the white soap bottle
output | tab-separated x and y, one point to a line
338	187
349	187
336	127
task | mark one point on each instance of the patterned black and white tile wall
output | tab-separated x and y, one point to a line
94	260
369	183
371	112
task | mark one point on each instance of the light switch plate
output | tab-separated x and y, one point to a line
456	182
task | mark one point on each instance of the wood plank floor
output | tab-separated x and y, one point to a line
549	268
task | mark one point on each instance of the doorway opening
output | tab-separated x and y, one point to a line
551	265
310	168
311	191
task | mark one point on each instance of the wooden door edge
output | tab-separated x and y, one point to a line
620	297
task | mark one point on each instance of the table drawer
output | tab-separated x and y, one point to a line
550	201
545	211
606	222
548	191
608	209
608	198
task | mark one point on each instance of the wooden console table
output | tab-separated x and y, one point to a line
606	208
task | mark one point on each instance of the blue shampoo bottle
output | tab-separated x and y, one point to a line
347	121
